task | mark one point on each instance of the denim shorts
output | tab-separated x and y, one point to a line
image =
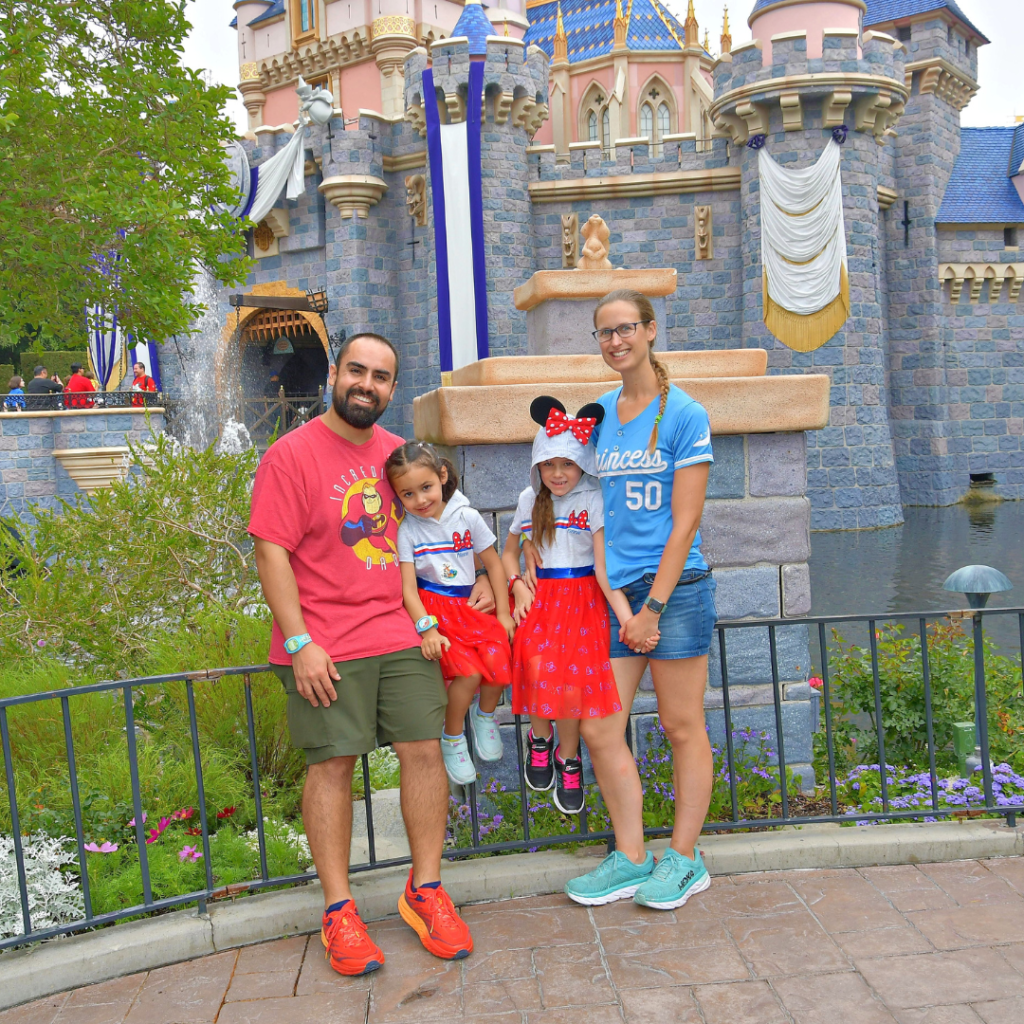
686	624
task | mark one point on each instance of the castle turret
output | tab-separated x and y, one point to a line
791	103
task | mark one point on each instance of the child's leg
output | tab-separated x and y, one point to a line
541	727
460	696
489	696
568	738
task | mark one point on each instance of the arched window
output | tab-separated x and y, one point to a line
664	121
592	126
647	123
606	130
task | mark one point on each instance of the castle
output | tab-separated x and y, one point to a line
613	107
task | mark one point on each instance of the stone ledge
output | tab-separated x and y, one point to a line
623	186
93	468
735	405
591	284
38	414
585	369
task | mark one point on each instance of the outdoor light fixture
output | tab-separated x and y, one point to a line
317	301
978	583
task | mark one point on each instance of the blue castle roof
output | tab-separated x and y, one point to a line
590	27
473	24
881	11
980	190
276	8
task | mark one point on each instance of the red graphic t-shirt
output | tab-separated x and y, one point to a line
329	502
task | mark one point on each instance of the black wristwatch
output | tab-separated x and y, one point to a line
656	606
481	572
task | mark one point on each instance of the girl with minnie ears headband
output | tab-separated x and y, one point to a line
437	540
560	666
653	451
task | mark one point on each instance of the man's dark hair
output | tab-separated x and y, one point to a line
38	370
344	347
76	367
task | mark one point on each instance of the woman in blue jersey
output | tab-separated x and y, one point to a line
653	456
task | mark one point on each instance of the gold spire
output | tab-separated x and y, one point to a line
692	28
505	33
726	36
561	49
621	27
707	41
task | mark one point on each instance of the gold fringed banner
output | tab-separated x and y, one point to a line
806	333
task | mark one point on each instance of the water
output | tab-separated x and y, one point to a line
902	569
234	438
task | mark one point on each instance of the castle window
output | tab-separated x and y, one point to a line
904	34
949	35
664	121
1011	238
606	129
647	123
592	126
304	25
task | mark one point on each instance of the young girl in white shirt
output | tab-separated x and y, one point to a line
561	670
437	540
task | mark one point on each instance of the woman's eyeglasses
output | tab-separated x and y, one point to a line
623	331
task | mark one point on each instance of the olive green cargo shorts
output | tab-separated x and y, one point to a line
390	698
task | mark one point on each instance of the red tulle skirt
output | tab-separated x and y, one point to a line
560	662
479	643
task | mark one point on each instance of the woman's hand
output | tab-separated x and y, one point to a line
507	624
531	556
524	600
434	645
636	631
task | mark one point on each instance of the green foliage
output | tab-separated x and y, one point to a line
6	373
108	145
58	363
163	553
901	686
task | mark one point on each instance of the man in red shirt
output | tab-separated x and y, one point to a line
142	382
325	522
79	383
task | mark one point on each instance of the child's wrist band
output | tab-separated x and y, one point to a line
294	644
511	581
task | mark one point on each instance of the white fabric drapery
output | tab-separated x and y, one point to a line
803	238
284	168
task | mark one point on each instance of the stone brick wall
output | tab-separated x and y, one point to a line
756	536
29	472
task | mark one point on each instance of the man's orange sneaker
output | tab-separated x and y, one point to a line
349	948
430	912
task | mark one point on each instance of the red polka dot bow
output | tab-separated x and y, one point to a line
559	423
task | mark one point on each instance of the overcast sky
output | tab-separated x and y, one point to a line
212	46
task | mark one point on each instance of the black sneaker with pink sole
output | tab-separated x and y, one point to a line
569	797
540	774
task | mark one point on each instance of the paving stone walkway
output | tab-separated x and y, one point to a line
927	944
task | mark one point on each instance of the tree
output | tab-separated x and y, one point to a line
110	157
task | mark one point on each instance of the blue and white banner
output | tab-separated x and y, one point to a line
104	343
456	187
146	353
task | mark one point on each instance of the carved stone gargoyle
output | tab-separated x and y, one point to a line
416	198
595	249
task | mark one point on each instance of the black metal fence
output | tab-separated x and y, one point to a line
79	401
824	650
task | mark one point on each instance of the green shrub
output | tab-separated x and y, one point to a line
6	373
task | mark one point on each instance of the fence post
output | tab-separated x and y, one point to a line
284	409
981	705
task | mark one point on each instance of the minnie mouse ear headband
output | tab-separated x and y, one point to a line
562	436
551	415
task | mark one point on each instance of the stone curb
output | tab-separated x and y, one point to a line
58	965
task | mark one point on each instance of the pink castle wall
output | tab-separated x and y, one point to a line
813	18
360	89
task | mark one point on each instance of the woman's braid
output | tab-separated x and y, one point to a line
662	374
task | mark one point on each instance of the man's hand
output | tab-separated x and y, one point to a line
315	675
434	645
482	597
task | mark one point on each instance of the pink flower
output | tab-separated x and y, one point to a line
131	824
816	682
189	853
40	643
183	815
105	847
156	833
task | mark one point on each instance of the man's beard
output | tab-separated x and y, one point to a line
358	416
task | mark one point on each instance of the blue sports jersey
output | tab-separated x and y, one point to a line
637	487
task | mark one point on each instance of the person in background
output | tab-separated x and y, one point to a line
77	385
40	386
15	400
142	382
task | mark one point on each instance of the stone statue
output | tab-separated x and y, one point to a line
704	246
416	198
595	249
317	105
570	237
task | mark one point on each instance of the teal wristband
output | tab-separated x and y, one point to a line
294	644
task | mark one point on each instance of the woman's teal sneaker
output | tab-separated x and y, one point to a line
675	879
617	878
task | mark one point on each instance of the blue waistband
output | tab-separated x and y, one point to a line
438	588
575	573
